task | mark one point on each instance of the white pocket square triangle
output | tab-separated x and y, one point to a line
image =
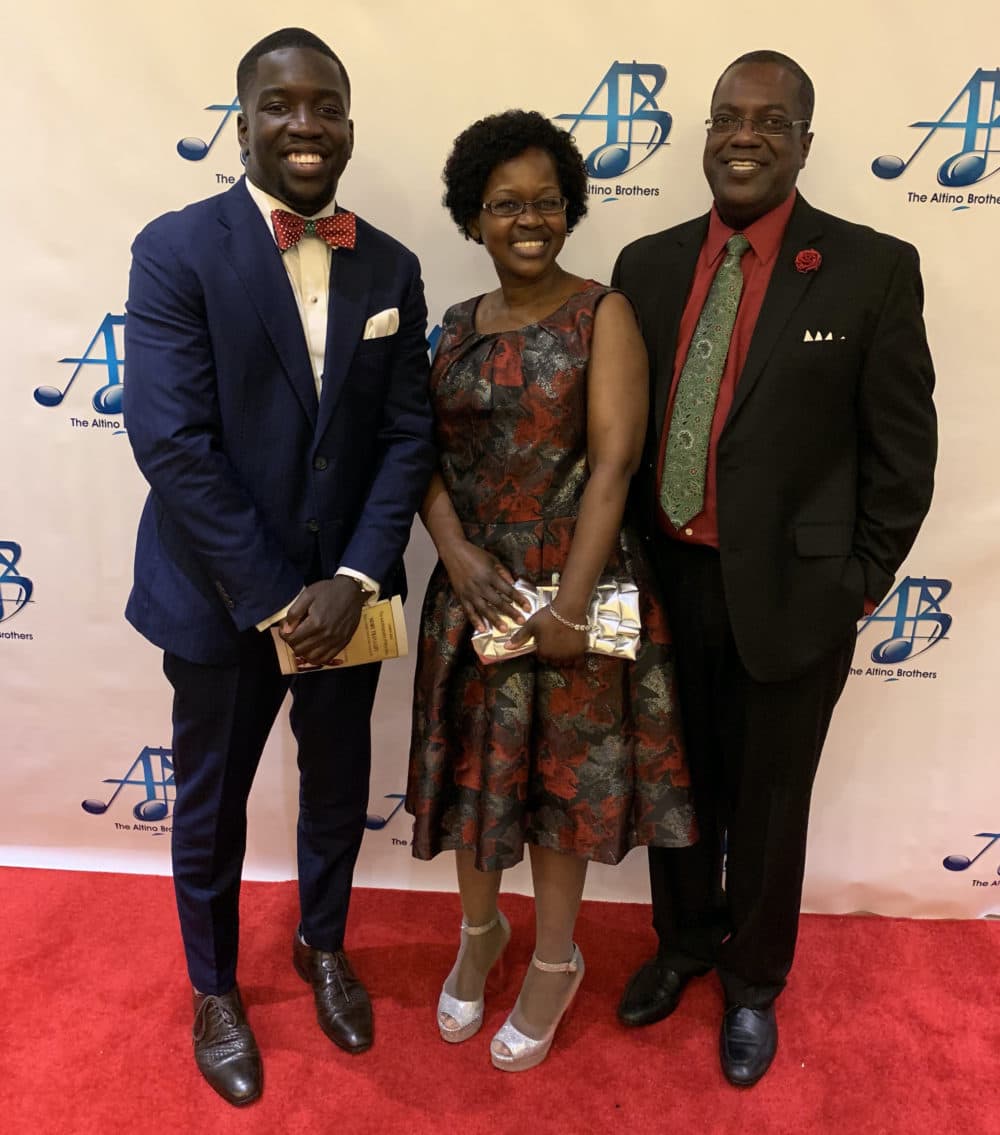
382	323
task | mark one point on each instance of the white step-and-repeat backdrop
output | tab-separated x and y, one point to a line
123	111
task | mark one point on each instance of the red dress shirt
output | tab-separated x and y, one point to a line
765	236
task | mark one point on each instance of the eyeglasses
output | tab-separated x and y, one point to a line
770	127
510	207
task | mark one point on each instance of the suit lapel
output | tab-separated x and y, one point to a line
350	287
674	271
785	292
250	248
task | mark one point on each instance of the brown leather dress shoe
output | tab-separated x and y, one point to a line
343	1009
224	1047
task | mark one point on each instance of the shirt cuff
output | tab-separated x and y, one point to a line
374	589
277	616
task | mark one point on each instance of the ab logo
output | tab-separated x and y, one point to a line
967	125
375	822
15	588
623	118
964	862
911	618
152	771
102	351
195	149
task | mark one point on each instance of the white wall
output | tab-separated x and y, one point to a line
101	96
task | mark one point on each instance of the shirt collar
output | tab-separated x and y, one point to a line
765	234
266	203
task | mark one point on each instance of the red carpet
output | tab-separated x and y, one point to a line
887	1026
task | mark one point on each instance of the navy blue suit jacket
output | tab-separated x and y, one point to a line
256	485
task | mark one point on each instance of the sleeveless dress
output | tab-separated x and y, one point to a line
584	758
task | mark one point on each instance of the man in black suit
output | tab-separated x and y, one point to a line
779	493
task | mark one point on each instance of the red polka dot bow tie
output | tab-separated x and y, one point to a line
289	228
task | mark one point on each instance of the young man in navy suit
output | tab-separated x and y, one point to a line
277	405
789	466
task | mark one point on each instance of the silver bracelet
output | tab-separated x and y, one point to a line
565	622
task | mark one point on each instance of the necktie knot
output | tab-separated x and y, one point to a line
737	245
338	231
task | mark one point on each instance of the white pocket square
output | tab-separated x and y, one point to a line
821	337
382	323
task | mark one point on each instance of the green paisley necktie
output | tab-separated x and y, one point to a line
682	490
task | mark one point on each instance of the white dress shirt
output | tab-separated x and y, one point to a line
308	266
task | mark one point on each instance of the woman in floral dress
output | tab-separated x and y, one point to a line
540	396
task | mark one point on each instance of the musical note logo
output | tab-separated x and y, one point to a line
975	111
376	823
195	149
107	399
15	589
155	777
624	102
963	862
914	614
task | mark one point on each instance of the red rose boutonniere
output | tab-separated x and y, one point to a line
808	260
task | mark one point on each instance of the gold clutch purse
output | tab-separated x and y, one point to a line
613	623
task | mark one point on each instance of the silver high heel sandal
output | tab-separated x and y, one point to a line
525	1052
467	1015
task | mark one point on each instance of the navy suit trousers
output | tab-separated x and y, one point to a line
222	716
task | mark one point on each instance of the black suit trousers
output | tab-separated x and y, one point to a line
753	748
222	716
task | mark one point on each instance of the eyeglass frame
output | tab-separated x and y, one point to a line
525	205
739	119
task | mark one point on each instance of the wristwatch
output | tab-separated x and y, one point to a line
367	591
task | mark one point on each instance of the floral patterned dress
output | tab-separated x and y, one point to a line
584	758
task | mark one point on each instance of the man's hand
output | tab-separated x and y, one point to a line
321	621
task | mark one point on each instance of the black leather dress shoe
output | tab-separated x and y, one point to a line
224	1047
653	993
747	1043
342	1005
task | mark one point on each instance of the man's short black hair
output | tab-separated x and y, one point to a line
807	96
276	41
498	138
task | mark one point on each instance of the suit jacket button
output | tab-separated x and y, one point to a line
312	525
320	463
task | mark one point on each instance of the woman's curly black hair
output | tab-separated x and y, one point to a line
484	145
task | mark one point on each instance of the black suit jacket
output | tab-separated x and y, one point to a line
826	460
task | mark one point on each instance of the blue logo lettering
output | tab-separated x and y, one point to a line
194	149
107	399
15	589
375	822
624	102
914	616
964	862
153	772
974	111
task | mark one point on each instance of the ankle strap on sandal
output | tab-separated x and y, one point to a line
475	931
558	967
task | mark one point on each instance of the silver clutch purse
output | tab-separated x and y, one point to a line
613	623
